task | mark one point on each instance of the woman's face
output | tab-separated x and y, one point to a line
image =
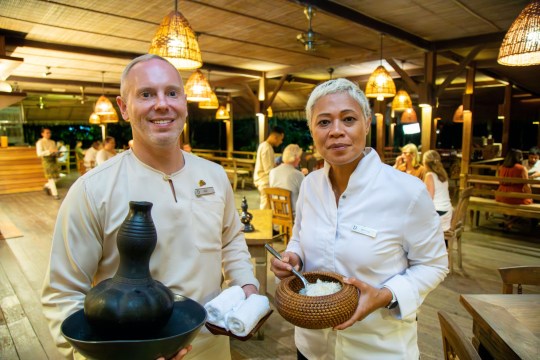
407	156
339	128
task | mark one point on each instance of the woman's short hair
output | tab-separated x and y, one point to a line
337	86
291	153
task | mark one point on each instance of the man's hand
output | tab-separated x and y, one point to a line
180	355
370	300
249	289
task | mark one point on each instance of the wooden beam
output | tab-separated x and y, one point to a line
278	87
459	69
411	84
253	98
506	123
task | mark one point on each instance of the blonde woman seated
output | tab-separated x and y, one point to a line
436	180
408	162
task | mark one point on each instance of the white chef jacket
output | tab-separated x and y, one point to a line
385	231
197	238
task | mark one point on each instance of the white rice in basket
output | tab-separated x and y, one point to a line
321	288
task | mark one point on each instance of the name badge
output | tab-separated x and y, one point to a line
204	191
364	230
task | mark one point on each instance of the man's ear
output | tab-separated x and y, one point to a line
123	108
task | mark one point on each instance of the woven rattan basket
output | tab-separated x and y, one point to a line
315	312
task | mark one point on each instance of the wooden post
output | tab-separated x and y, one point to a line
380	106
506	122
467	125
229	127
427	100
426	127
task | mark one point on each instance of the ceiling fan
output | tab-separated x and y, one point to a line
310	38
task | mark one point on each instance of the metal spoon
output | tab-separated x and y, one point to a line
273	251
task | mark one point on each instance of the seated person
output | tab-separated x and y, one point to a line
532	164
287	176
436	180
62	152
90	155
512	168
107	152
408	162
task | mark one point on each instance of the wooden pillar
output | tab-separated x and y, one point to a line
506	122
391	135
466	140
380	106
427	100
229	127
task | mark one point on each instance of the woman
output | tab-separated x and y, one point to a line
436	180
353	218
512	168
408	162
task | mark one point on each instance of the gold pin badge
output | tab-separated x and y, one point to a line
201	183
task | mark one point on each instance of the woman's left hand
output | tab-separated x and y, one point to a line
370	299
180	355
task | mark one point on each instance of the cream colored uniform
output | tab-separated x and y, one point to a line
198	236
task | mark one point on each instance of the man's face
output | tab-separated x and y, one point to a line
533	158
46	134
155	104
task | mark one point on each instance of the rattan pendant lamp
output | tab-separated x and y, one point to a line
222	113
380	84
213	103
176	41
197	87
521	44
104	107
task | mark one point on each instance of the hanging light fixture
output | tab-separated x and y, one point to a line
94	119
380	84
197	87
521	44
458	115
409	116
213	103
176	41
402	101
222	113
104	108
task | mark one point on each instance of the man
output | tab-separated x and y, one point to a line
91	155
265	162
107	152
46	149
199	236
287	176
532	164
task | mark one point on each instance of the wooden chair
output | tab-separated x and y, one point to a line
457	226
519	275
455	343
234	173
280	203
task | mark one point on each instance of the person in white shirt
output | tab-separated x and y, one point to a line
287	176
200	238
265	162
48	152
374	225
90	155
532	164
436	180
107	152
62	152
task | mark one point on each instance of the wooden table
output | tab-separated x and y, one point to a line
262	221
506	326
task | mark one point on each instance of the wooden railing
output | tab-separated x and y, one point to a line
20	170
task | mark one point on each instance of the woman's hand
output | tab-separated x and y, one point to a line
370	300
400	159
180	355
282	269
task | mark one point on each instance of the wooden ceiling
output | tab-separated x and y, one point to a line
79	42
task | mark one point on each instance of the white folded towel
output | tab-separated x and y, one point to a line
243	319
219	306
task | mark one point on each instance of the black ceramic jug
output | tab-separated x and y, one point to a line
131	304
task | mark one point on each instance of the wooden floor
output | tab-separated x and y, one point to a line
23	262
